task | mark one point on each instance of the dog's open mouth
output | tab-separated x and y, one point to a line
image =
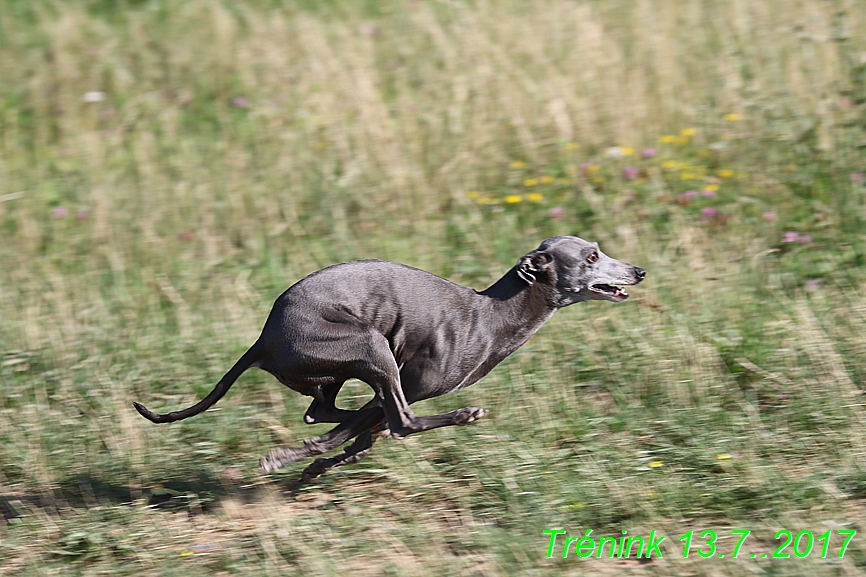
609	291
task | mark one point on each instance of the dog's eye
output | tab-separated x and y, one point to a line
593	257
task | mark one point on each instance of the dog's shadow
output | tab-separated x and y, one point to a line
195	494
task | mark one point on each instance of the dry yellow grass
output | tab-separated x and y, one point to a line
167	169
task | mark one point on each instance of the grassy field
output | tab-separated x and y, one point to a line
168	168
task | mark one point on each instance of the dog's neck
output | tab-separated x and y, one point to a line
511	287
506	288
520	308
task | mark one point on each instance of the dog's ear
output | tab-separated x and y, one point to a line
531	264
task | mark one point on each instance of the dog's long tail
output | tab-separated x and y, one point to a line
246	361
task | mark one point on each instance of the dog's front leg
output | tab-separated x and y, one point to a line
384	377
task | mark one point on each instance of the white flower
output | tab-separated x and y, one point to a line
94	96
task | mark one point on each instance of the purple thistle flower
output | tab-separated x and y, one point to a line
630	172
59	212
805	239
82	214
791	236
688	194
708	192
709	212
556	213
369	29
648	152
240	102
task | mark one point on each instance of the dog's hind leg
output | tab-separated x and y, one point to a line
351	454
360	421
323	409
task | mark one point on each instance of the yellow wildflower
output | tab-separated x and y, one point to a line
655	464
530	181
473	194
513	198
670	164
545	179
713	187
534	197
723	456
626	151
687	132
487	200
725	173
667	139
733	117
688	176
517	164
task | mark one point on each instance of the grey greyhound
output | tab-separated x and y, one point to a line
410	335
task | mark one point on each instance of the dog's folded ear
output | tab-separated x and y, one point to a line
531	264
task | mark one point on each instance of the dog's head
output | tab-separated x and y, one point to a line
578	271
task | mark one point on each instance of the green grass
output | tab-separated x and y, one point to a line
243	145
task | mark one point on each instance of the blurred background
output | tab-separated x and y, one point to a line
167	169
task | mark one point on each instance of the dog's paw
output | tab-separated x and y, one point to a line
314	469
281	457
275	460
266	466
469	414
